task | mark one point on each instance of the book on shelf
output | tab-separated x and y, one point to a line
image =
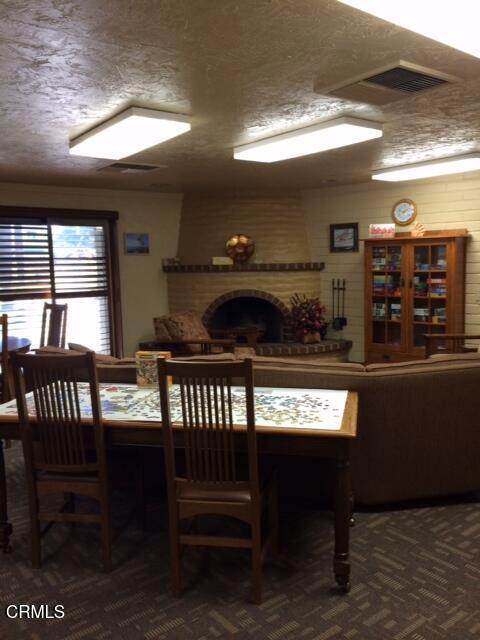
379	310
420	286
439	315
382	284
395	311
421	314
394	259
438	291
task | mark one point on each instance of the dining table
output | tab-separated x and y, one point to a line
19	345
288	421
22	345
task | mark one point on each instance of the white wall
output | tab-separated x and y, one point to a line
441	203
143	283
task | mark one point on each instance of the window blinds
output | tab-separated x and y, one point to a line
42	262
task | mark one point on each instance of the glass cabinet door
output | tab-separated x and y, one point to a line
429	289
387	295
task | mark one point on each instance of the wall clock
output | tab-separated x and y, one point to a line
404	212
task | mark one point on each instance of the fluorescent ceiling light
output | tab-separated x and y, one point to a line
445	166
129	132
318	137
451	22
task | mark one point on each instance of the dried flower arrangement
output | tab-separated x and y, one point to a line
307	316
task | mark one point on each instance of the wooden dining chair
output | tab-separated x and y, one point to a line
212	481
4	361
63	453
54	325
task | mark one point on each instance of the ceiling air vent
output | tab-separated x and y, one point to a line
405	80
126	167
388	84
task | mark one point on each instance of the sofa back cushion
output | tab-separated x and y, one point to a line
417	423
270	362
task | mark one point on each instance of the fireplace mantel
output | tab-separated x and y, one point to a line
253	266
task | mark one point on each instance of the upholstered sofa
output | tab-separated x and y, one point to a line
419	422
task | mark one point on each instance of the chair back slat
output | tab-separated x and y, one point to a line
57	438
207	418
54	325
58	415
208	428
4	364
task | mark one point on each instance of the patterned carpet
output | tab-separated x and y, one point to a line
415	576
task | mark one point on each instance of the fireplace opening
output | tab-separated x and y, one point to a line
245	313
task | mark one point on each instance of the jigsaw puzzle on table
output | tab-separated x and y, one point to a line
274	407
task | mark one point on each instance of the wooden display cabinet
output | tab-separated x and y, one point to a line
413	286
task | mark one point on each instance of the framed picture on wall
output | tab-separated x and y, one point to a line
344	237
136	243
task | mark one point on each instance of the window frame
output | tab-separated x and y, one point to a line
51	216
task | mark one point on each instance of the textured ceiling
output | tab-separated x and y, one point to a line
242	69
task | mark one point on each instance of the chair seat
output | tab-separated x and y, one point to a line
214	493
239	492
49	476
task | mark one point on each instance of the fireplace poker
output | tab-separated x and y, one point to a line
339	321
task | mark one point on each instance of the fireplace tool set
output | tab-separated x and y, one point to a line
338	289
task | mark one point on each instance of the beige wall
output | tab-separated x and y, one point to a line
280	227
143	283
275	222
442	204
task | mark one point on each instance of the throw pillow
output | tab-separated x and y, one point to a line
161	331
186	326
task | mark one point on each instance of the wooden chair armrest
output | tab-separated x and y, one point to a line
452	343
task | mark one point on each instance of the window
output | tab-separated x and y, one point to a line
63	260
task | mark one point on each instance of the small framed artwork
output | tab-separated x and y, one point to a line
344	237
137	243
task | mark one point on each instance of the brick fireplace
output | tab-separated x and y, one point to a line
256	293
247	309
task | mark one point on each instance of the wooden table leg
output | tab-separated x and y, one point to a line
5	526
343	514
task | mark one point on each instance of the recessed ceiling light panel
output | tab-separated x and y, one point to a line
452	23
442	167
318	137
129	132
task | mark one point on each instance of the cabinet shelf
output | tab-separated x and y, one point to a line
430	297
427	271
